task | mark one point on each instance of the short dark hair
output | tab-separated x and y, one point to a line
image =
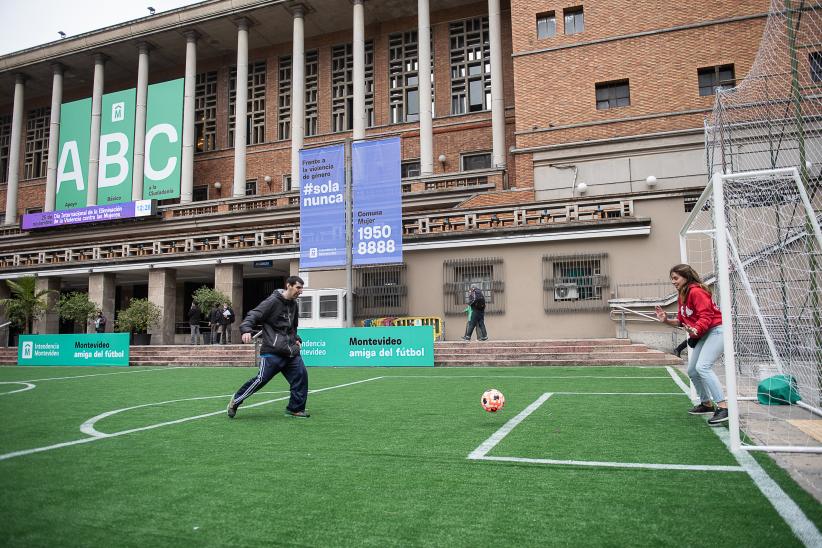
293	280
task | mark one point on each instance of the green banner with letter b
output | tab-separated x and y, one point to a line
92	349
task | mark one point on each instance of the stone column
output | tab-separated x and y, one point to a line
94	142
424	79
101	286
187	167
13	178
54	136
297	93
143	49
50	321
358	108
241	109
162	289
497	100
228	278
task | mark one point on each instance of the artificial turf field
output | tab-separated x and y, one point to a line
580	456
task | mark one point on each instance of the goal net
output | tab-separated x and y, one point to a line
755	235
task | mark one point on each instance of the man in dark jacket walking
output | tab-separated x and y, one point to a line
280	350
194	317
476	300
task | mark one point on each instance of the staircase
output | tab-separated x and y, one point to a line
446	354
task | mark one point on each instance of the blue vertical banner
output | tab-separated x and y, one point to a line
377	208
322	207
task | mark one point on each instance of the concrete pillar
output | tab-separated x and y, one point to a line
143	49
358	109
297	93
101	286
241	109
5	293
162	289
54	136
187	168
49	323
497	100
13	178
424	79
228	278
96	115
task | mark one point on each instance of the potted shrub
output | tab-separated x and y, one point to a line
26	303
206	298
140	316
77	307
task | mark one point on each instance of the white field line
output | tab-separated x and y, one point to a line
101	436
680	383
103	374
480	453
799	523
26	386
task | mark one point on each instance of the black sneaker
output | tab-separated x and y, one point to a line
296	414
702	409
232	409
466	338
719	418
485	339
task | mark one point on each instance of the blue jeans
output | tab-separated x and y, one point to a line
294	371
701	361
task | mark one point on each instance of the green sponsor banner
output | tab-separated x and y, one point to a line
369	346
116	147
164	140
93	349
72	163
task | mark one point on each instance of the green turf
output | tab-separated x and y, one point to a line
378	463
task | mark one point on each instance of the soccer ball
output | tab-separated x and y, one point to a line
492	400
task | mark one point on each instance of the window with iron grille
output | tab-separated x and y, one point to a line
312	89
37	143
251	187
380	291
205	112
575	282
460	275
329	306
304	303
481	160
574	20
713	78
342	86
613	94
199	194
470	65
5	146
255	125
410	169
287	182
284	98
815	62
403	77
546	25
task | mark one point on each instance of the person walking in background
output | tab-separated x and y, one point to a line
228	319
215	321
702	319
476	301
280	351
194	318
100	322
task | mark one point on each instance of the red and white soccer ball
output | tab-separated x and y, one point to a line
492	400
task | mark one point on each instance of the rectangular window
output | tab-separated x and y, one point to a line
342	86
471	162
305	302
546	25
328	306
312	90
485	273
403	77
284	98
410	169
287	182
31	210
255	105
380	291
713	78
205	112
251	187
575	282
574	20
37	143
470	65
5	146
200	194
815	61
613	95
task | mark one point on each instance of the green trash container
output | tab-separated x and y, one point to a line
778	390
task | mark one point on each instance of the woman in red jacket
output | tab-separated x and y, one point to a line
702	319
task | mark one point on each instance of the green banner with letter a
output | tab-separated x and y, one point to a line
72	162
91	349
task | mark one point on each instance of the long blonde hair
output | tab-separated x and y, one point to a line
691	277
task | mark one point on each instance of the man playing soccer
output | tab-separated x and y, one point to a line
280	351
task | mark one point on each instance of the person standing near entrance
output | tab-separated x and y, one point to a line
215	320
280	350
228	319
100	322
476	300
194	317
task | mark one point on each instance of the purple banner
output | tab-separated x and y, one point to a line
90	214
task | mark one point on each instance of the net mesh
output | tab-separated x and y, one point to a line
771	120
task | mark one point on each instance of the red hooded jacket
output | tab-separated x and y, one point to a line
698	311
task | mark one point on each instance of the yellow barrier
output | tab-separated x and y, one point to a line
434	321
